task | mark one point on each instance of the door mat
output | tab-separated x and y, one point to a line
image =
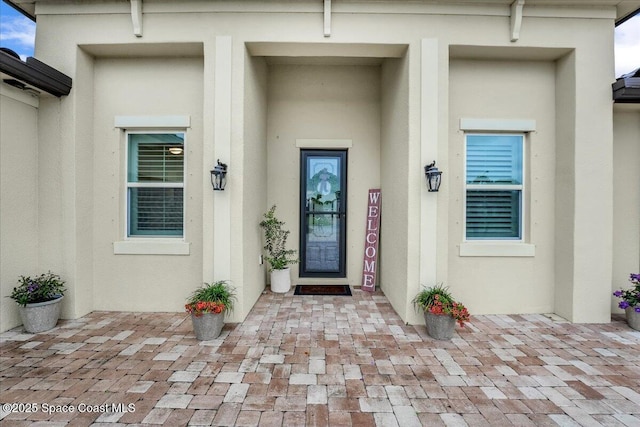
330	290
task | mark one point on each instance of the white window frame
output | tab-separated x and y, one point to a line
497	247
507	187
129	185
152	245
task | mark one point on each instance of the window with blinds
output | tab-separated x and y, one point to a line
494	185
155	184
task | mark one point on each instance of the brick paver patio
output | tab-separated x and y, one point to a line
319	361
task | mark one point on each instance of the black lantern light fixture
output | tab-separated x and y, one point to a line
219	176
433	176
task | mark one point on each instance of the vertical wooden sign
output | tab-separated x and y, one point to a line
372	232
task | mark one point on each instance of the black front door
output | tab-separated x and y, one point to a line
323	213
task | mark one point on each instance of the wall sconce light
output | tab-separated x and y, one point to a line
219	176
433	176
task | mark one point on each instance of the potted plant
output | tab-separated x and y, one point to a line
278	256
631	301
441	311
39	301
208	305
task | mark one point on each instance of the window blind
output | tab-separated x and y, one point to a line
155	184
494	159
493	214
156	210
494	186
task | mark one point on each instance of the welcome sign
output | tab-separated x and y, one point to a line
370	262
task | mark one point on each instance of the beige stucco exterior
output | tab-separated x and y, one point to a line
626	195
510	281
393	83
19	202
327	104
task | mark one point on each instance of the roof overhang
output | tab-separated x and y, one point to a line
626	11
27	8
33	73
626	89
624	8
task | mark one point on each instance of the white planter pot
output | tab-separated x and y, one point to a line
40	316
281	280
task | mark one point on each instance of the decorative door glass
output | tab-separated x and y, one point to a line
323	211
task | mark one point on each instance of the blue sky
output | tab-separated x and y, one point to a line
18	33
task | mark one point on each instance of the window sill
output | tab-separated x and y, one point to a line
151	247
497	249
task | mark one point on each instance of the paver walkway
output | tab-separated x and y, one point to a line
318	361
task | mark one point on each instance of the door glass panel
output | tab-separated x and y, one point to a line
323	213
323	243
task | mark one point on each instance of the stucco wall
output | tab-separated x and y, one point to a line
394	231
254	188
504	90
584	130
564	184
626	196
76	238
144	87
18	197
324	102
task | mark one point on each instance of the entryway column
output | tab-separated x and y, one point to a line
432	104
222	151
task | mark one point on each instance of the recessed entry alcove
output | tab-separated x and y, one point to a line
343	106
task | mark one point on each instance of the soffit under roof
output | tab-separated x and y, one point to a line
337	50
144	50
323	60
507	53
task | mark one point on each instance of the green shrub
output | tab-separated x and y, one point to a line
211	298
42	288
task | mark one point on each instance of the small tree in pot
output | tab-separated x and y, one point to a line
208	305
278	256
441	311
